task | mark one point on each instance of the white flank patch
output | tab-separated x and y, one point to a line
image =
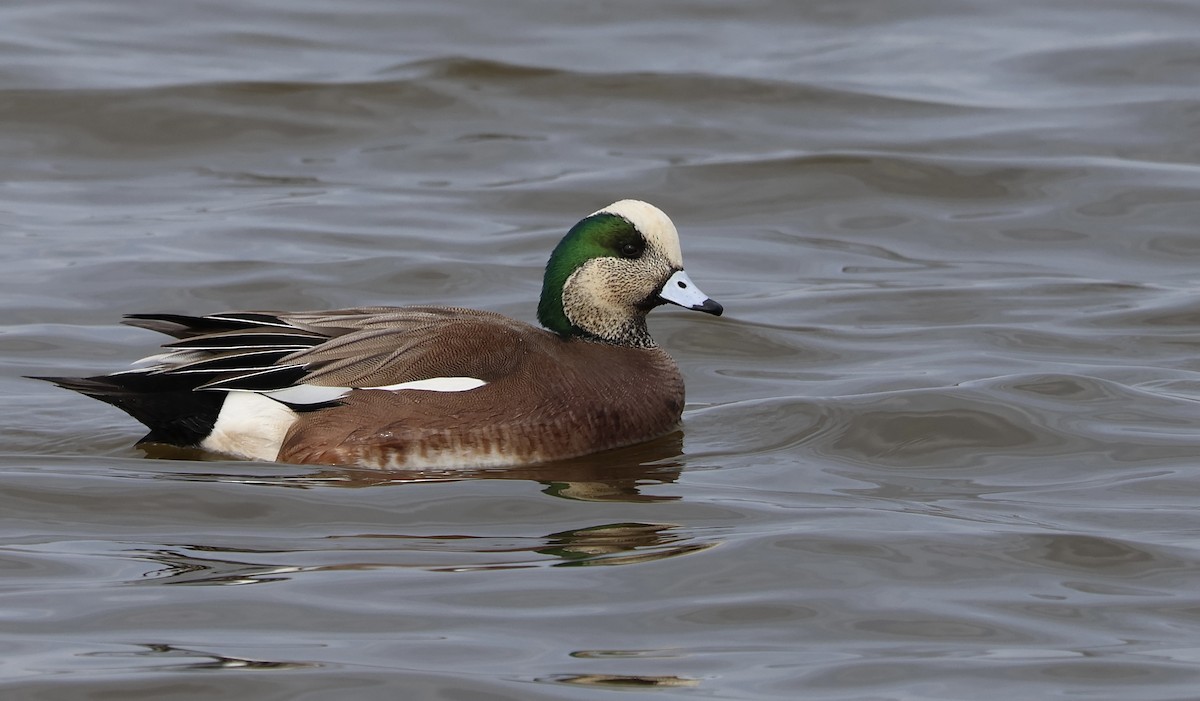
438	384
250	426
316	394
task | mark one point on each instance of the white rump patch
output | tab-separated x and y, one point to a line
250	426
316	394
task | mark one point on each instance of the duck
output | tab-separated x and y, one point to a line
419	387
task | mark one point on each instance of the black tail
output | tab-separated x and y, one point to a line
175	415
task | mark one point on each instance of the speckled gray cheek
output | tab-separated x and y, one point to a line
603	297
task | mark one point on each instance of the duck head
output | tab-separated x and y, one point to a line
611	269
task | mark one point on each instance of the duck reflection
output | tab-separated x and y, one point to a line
594	546
614	475
188	565
626	681
204	660
618	544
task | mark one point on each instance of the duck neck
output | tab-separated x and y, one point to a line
593	322
631	335
595	318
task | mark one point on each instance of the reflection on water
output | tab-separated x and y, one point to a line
602	545
160	655
619	544
186	566
624	681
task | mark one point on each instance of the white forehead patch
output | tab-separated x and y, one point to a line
655	225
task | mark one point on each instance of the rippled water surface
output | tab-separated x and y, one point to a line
943	445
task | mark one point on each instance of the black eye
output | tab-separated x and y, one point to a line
632	249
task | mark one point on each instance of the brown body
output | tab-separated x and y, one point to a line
546	397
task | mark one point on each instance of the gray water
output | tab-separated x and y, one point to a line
943	445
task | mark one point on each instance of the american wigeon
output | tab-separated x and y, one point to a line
421	387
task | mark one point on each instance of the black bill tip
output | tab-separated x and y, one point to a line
710	307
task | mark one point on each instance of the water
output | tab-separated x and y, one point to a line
942	445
